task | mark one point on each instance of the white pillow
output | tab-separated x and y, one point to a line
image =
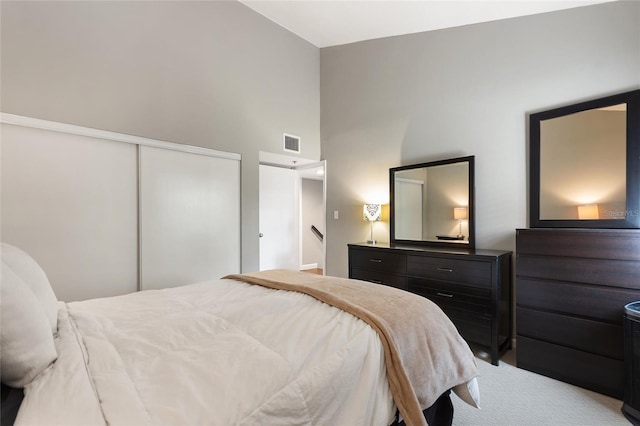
34	277
26	341
469	392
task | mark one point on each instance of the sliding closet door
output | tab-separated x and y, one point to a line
189	217
70	201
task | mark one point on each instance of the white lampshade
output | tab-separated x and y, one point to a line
372	212
459	213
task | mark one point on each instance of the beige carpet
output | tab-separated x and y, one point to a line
511	396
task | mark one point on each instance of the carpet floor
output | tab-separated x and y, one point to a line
511	396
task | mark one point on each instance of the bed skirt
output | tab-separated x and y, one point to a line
11	400
439	414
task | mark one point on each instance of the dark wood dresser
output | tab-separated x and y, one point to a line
473	287
571	289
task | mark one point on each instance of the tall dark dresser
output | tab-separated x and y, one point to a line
572	286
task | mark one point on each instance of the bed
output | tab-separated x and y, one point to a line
273	347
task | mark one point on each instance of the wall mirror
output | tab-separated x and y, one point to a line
433	203
585	164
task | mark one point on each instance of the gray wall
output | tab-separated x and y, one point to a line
583	161
462	91
212	74
218	75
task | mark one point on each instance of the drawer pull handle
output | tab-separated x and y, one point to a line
376	281
375	260
444	294
445	269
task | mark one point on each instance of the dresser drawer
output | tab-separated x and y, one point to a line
591	336
398	281
600	303
609	244
470	299
613	273
378	260
469	272
473	328
595	372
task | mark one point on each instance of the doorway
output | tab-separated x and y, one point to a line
292	213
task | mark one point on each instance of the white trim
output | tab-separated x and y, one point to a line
280	166
54	126
299	217
139	209
405	180
324	217
309	266
309	165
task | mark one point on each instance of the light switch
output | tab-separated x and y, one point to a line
336	214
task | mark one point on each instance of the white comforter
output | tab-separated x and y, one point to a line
218	352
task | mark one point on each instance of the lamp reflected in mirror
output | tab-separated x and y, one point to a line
372	213
460	214
422	199
585	164
588	212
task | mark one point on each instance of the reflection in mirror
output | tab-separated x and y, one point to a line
431	203
584	169
583	165
425	202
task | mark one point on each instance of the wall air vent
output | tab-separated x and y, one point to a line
291	143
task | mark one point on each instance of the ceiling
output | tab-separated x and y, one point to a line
327	23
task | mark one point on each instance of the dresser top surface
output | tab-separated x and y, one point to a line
406	248
581	231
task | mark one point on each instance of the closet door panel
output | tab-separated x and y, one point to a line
189	217
70	201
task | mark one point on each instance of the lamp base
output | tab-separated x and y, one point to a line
371	241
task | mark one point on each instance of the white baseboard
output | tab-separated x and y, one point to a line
309	266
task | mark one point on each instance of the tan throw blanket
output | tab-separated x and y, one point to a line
424	354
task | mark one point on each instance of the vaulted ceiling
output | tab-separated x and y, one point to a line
334	22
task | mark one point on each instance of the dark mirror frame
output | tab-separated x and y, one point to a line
632	220
470	160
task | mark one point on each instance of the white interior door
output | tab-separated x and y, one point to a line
279	218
